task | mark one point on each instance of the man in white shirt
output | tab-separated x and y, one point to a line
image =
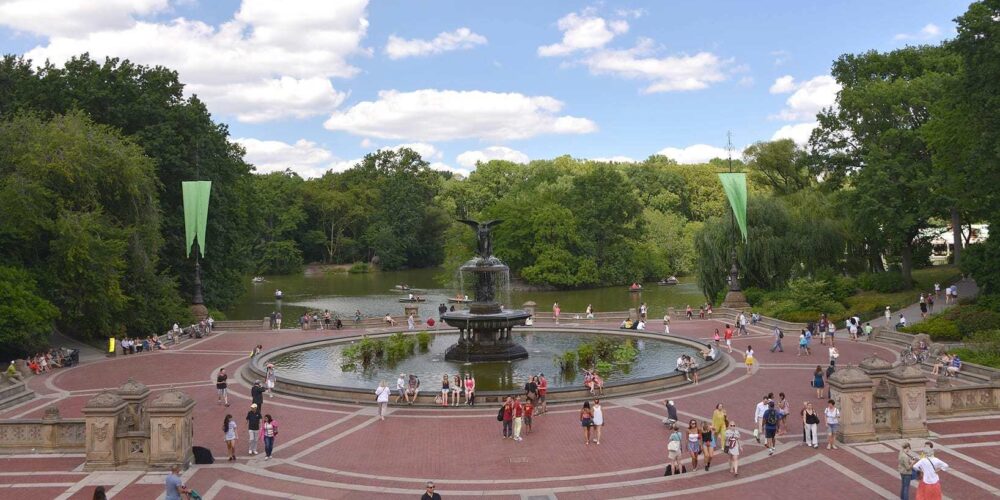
682	366
758	416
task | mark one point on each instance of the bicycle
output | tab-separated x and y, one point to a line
910	357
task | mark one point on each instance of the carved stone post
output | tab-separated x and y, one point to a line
133	427
171	430
910	386
878	369
409	309
101	418
853	392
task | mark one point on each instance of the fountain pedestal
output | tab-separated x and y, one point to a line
485	328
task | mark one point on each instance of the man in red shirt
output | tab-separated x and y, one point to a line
508	417
543	389
729	338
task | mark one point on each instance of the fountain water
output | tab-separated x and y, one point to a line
485	328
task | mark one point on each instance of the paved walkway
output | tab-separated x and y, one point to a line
966	288
328	450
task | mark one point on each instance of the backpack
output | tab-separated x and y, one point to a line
781	334
500	415
771	418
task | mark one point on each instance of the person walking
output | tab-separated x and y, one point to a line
555	312
905	468
598	419
253	429
507	417
175	489
222	387
269	431
666	323
401	388
693	443
586	420
719	419
733	447
771	419
817	381
707	443
749	360
229	428
811	423
929	487
269	380
382	398
888	317
778	335
518	414
832	414
543	390
728	335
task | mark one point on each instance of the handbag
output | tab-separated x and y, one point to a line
674	445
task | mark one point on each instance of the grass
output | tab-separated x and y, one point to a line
869	305
979	357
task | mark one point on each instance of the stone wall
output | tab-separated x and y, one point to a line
50	434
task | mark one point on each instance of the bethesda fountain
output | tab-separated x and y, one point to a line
485	327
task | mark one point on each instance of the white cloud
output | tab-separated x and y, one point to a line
809	98
666	74
267	62
444	167
633	13
798	132
930	31
74	17
470	158
303	157
615	159
426	151
697	153
783	85
583	31
440	115
462	38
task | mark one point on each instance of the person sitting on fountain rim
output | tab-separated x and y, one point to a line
388	320
683	367
412	389
626	324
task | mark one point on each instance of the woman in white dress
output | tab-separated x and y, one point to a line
269	380
598	419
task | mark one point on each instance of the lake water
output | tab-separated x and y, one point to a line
322	364
374	295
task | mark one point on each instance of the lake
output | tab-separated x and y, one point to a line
374	295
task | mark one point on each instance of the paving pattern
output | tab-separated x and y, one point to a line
328	450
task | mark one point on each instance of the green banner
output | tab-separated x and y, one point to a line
196	194
735	186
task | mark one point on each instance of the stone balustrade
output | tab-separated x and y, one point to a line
50	434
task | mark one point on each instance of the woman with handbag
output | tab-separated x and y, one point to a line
733	448
817	381
927	468
707	443
586	420
674	451
269	431
382	398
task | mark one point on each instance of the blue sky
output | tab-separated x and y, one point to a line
312	85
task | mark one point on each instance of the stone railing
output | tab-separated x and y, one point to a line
50	434
963	400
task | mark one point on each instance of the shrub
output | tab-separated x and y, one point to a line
424	340
940	329
889	282
604	348
755	296
625	353
604	368
567	362
359	268
586	355
972	319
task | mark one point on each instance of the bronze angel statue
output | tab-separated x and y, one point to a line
484	245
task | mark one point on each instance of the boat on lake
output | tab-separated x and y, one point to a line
414	299
668	281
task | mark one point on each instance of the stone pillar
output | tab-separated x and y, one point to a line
101	418
409	309
878	369
133	427
171	430
910	386
853	392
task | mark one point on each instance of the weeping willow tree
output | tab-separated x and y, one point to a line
788	237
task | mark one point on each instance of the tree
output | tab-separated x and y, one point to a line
778	164
279	207
872	139
87	226
25	317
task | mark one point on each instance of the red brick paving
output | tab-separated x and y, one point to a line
462	448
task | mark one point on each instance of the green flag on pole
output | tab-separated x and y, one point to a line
735	186
196	194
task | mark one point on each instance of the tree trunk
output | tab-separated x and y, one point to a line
906	262
956	234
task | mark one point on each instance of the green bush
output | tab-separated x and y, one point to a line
586	355
940	328
604	368
359	268
424	340
972	319
887	282
755	296
604	348
625	353
567	362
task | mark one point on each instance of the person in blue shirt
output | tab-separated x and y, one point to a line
175	489
771	419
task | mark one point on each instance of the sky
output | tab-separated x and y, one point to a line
313	85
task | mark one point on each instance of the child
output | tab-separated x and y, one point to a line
529	410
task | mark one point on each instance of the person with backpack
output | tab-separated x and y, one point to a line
771	419
778	335
674	452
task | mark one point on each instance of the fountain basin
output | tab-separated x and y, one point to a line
312	369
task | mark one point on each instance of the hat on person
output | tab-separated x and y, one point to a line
256	382
253	405
671	402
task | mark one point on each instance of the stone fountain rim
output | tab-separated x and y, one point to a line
255	369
